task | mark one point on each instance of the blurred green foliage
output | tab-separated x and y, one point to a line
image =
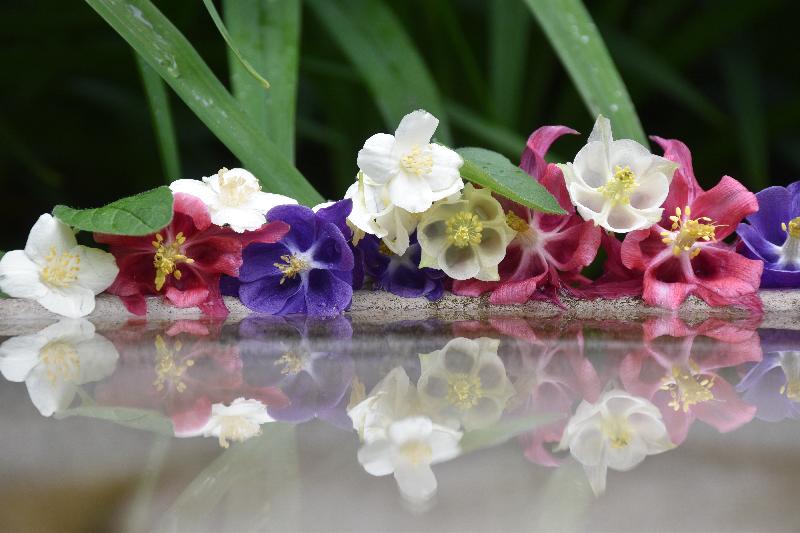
75	126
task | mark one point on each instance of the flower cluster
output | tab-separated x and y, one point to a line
409	225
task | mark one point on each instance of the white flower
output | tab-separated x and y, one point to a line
56	360
415	171
233	197
412	445
465	236
237	422
465	383
619	184
54	270
373	213
617	432
398	440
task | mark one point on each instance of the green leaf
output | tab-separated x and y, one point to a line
494	171
575	38
374	40
231	46
503	431
168	52
141	214
143	419
268	35
158	101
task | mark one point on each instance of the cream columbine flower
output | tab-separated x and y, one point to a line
466	237
618	184
617	432
400	441
55	271
415	171
237	422
54	362
373	213
233	197
465	383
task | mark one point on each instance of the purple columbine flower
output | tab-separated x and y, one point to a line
773	235
307	358
310	270
400	275
773	385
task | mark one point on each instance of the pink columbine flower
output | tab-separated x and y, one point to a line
548	251
684	254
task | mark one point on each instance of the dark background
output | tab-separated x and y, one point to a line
722	75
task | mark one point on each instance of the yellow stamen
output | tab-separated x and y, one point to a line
790	363
61	361
516	222
61	270
689	231
417	452
417	162
167	370
234	190
464	229
292	363
617	430
687	387
167	258
793	229
384	250
237	429
291	266
464	390
619	188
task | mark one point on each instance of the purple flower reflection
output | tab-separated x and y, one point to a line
307	358
773	385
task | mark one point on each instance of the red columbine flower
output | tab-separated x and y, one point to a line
548	251
684	253
184	261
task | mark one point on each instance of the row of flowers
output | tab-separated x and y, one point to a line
609	393
409	225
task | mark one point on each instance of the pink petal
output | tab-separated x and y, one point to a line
190	297
665	284
726	411
726	204
724	277
576	247
472	287
532	160
516	292
194	208
684	185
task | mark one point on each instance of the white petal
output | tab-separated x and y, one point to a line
240	220
597	478
445	175
98	269
73	302
591	164
46	234
652	191
410	192
360	217
49	394
408	429
587	445
376	458
459	263
416	129
628	153
18	356
19	276
196	188
376	158
624	219
70	330
601	131
444	444
397	227
98	359
416	482
264	201
590	200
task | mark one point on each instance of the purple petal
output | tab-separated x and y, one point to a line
268	295
757	244
229	286
774	209
326	294
258	261
332	251
337	214
302	225
780	279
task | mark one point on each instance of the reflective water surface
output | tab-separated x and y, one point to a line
295	424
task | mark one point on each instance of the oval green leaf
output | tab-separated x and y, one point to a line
141	214
494	171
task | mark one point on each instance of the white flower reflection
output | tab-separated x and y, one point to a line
400	441
617	432
237	422
54	362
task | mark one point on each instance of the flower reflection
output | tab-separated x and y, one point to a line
617	432
773	385
239	421
185	371
305	357
679	370
399	439
56	361
465	383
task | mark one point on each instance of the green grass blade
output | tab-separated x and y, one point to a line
509	32
231	46
268	35
375	41
158	102
575	38
168	52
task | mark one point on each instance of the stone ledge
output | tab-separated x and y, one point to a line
781	310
